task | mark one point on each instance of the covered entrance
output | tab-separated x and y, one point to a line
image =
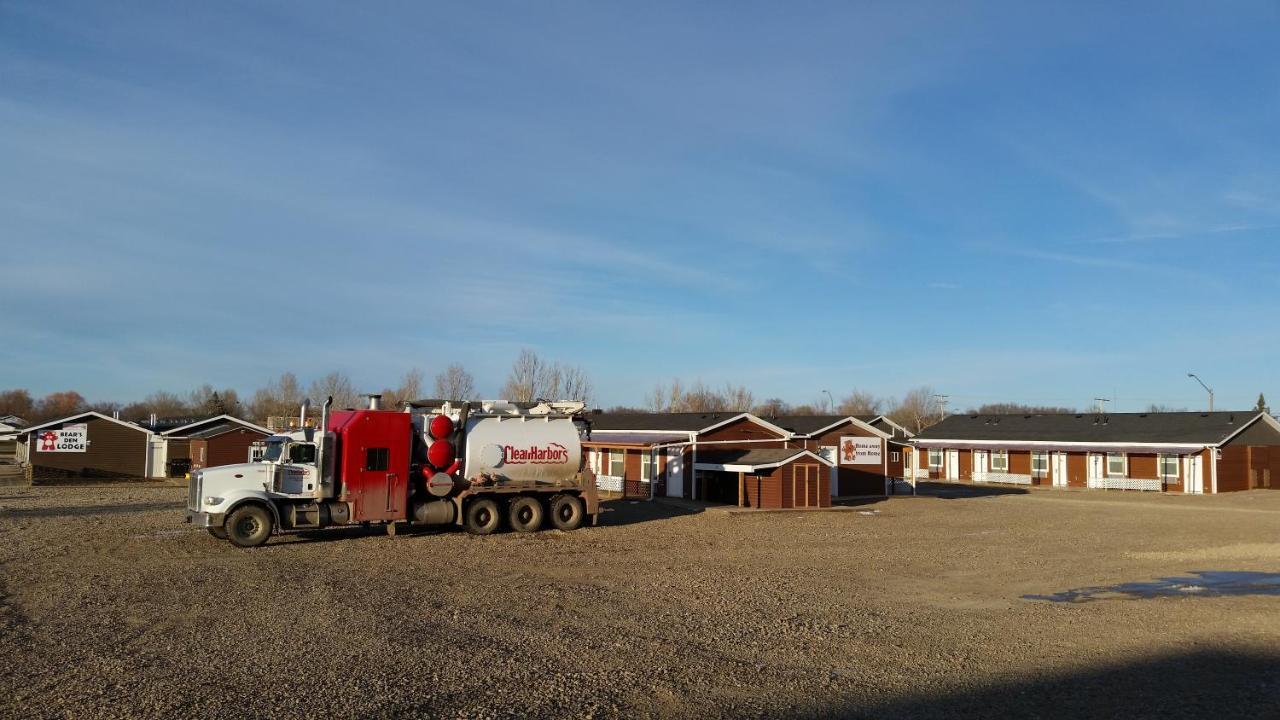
772	478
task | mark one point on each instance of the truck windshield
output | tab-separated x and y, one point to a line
273	450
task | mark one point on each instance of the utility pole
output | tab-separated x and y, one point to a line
831	403
1102	405
1206	387
942	404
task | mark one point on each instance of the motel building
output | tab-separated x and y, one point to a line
743	459
1183	452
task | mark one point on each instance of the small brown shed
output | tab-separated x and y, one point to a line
89	444
220	440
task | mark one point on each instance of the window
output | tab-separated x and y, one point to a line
1169	468
646	466
999	461
617	463
303	453
935	458
1115	464
1039	463
895	456
377	458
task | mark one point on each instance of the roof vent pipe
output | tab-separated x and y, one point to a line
375	402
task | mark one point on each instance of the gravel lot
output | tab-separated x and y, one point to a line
911	607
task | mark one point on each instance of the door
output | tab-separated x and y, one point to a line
806	485
979	464
1095	468
829	453
1192	471
952	463
1059	469
675	472
156	456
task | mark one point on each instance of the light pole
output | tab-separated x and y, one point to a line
1206	387
942	404
831	403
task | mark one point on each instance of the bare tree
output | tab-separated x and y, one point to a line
737	398
523	382
575	385
532	378
772	407
280	397
1157	408
701	398
917	410
410	389
455	383
859	402
205	400
335	385
657	399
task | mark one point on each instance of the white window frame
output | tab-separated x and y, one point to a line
1042	456
934	452
646	465
616	455
895	456
1124	464
1169	479
999	461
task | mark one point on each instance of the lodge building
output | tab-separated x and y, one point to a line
1184	452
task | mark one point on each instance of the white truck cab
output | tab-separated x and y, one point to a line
230	500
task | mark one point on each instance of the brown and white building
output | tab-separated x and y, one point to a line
1185	452
740	458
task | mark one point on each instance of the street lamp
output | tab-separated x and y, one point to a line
831	403
1206	387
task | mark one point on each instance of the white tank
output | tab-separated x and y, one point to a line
522	448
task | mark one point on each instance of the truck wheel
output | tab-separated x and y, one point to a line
249	526
566	512
218	532
482	517
525	514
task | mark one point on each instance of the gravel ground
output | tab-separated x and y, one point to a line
910	607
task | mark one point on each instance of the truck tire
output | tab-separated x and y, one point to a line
218	532
566	512
249	526
482	517
525	514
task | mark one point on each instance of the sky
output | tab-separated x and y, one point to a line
1006	201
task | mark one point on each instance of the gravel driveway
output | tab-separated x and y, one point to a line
910	607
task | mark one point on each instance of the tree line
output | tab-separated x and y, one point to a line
530	378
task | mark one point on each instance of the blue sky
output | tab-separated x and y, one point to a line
1032	202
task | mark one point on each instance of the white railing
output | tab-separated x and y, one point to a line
998	477
612	483
1123	483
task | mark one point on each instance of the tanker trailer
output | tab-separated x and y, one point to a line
474	465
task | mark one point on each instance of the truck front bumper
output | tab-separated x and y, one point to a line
205	519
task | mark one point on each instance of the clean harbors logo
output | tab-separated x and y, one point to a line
552	454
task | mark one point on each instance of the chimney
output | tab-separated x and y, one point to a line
375	402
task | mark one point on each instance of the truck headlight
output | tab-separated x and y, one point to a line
213	500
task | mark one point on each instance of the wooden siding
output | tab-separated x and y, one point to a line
1077	469
743	429
1259	433
114	451
1143	466
1233	469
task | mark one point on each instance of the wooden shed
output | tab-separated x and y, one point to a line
219	440
89	445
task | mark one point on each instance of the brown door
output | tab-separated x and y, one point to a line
805	485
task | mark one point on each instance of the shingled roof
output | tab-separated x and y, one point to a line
1173	427
762	458
677	422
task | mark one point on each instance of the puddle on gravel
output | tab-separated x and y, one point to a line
1205	583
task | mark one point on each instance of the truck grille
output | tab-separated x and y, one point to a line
193	491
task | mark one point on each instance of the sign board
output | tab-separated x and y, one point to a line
71	438
856	450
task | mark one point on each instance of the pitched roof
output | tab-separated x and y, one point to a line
77	416
191	427
756	458
221	428
667	422
1176	427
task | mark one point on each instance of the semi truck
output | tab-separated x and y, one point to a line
477	465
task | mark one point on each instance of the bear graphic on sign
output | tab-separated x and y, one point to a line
850	452
48	441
